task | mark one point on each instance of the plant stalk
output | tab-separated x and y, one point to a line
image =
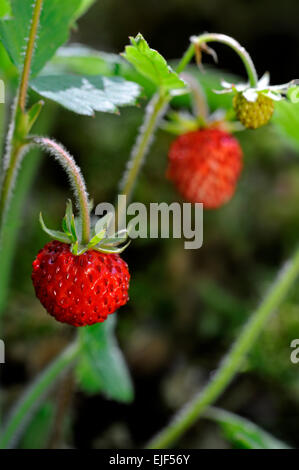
29	54
75	176
15	146
155	110
232	362
199	41
32	397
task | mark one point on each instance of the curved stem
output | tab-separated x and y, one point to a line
186	59
233	361
75	176
197	41
31	399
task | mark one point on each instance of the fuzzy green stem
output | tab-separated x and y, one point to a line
197	41
29	54
199	101
154	112
2	126
75	176
31	399
232	362
16	138
17	152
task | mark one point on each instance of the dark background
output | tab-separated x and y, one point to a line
186	307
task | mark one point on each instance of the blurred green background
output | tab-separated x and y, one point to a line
186	306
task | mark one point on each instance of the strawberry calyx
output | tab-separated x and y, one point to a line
101	240
263	87
179	123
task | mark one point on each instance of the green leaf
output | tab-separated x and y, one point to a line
101	366
242	432
84	6
55	234
55	22
87	94
87	61
286	119
83	60
5	8
152	65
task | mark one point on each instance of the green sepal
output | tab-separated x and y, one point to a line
103	223
73	228
101	229
117	239
68	223
77	249
100	241
56	234
115	243
111	249
180	122
96	239
64	227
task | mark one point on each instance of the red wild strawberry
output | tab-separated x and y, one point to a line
205	165
79	290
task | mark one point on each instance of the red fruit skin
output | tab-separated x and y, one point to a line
205	166
79	290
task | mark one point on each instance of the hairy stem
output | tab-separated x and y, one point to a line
2	127
232	362
16	154
15	145
155	110
75	176
29	54
31	399
198	41
15	216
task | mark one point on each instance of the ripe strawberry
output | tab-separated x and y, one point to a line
205	166
79	290
253	114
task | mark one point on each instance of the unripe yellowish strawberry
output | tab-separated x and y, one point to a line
253	114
